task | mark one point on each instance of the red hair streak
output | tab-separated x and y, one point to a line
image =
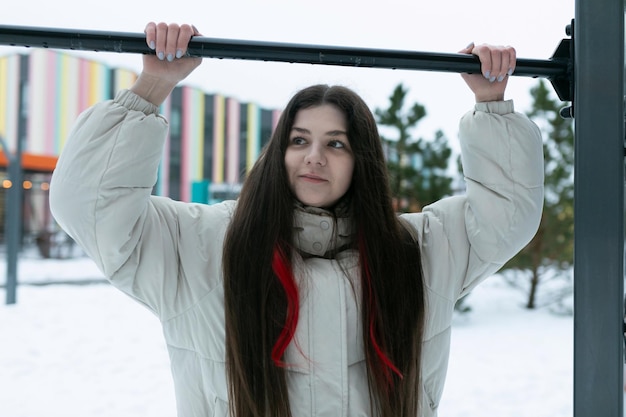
282	269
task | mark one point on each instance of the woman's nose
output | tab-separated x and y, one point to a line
315	155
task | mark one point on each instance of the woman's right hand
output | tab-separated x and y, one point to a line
169	65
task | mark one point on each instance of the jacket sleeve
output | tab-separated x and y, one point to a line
464	239
100	195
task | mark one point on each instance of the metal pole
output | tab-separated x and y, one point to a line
13	221
123	42
599	208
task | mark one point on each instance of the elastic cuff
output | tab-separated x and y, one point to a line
497	107
132	101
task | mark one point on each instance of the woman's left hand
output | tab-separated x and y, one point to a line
497	63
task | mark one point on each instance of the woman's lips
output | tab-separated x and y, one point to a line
312	178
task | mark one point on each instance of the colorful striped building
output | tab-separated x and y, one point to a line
213	139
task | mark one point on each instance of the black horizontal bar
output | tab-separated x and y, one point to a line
124	42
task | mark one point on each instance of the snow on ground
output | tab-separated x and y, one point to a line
90	351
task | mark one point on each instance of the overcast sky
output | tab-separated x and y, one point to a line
534	27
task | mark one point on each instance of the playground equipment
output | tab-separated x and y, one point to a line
587	71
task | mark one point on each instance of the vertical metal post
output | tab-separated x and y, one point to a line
599	208
13	224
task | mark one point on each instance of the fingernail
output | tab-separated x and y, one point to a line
170	57
470	45
179	53
161	55
487	74
152	45
510	71
500	78
492	79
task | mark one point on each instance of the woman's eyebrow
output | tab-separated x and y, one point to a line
336	132
301	130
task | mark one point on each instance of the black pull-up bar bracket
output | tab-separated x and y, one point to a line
557	69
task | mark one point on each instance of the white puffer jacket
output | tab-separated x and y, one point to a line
167	254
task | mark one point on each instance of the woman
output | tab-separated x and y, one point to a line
309	295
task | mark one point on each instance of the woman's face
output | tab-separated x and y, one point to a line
318	159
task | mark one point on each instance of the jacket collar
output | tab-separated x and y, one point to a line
319	232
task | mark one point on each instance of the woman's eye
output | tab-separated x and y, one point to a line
298	141
336	144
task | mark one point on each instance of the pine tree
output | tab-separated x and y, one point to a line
417	167
550	254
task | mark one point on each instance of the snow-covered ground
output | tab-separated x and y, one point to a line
90	351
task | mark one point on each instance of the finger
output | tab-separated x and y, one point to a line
467	49
484	55
496	63
161	40
150	32
184	36
505	63
173	30
512	60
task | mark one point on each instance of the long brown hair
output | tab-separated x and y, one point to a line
259	289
